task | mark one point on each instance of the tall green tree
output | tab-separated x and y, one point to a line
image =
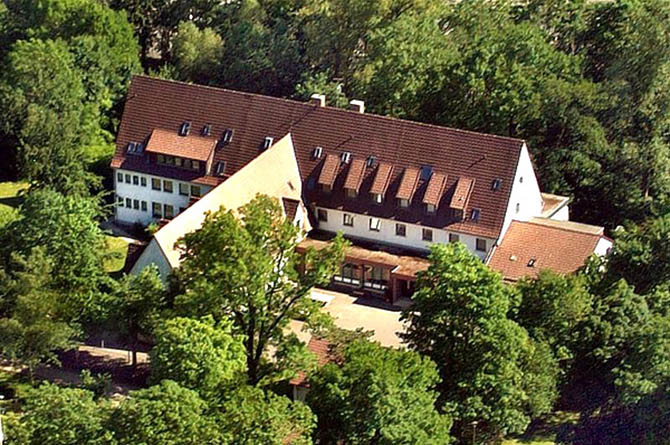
164	414
137	302
197	354
197	54
244	266
378	395
460	320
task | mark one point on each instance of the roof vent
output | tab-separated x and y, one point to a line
207	130
357	106
318	99
185	128
227	136
512	258
496	184
267	142
371	161
318	151
426	172
474	216
531	262
345	157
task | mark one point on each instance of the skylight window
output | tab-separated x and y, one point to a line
207	130
184	129
531	262
371	161
318	151
345	157
496	184
220	168
267	142
227	136
426	172
474	216
135	148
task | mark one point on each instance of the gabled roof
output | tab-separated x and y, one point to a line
408	183
274	173
168	142
528	247
290	208
329	170
158	103
434	189
381	179
355	174
459	200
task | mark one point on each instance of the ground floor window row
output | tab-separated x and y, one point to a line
367	276
158	184
158	210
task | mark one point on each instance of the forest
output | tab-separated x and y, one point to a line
585	83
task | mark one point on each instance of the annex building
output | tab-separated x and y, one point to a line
393	187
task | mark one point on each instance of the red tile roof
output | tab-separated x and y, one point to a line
408	183
322	349
329	170
290	208
168	142
355	174
560	246
381	179
158	103
434	189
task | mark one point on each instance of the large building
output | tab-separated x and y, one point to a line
394	187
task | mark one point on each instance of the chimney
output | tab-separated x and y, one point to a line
318	99
357	105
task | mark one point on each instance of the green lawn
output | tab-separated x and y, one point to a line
545	433
9	200
119	248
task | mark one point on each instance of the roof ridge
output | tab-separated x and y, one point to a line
337	109
567	229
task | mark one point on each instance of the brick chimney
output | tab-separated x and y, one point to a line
318	99
357	105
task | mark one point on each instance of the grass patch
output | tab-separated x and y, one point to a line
544	433
10	200
118	249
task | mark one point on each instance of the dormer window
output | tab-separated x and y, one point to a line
403	203
267	142
325	188
184	129
227	136
377	198
351	193
206	130
430	209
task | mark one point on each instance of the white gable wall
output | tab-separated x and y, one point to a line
152	254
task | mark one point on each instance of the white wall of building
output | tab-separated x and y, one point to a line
387	233
603	246
152	254
563	214
525	200
140	193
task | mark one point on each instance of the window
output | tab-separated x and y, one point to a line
143	181
157	209
227	136
454	238
129	203
178	162
351	193
119	177
427	235
348	220
167	186
127	178
183	189
376	277
325	188
404	203
119	201
377	198
400	230
160	159
195	190
184	129
316	154
136	204
531	262
349	274
481	245
375	224
518	207
521	179
195	165
155	184
168	211
220	168
169	160
430	208
474	216
206	130
267	142
144	206
322	215
496	184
